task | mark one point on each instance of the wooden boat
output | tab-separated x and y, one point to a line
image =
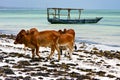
55	17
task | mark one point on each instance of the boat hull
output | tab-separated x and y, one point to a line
76	21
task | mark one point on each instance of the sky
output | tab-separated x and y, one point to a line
85	4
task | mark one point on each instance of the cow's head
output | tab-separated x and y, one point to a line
20	37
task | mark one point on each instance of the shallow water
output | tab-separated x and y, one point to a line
107	31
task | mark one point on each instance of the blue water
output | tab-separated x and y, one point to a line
106	31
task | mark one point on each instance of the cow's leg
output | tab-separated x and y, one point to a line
60	47
70	51
37	51
33	53
58	50
52	51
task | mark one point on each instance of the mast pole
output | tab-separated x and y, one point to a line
79	13
68	13
55	13
59	13
47	13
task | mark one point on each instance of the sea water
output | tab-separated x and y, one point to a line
106	31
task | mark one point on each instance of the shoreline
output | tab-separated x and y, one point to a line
12	36
97	43
89	61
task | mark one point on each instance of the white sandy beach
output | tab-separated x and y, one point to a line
87	63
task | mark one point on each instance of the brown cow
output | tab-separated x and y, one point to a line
72	32
34	39
66	40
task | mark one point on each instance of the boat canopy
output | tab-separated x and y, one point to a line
56	12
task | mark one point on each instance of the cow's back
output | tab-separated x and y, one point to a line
47	38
